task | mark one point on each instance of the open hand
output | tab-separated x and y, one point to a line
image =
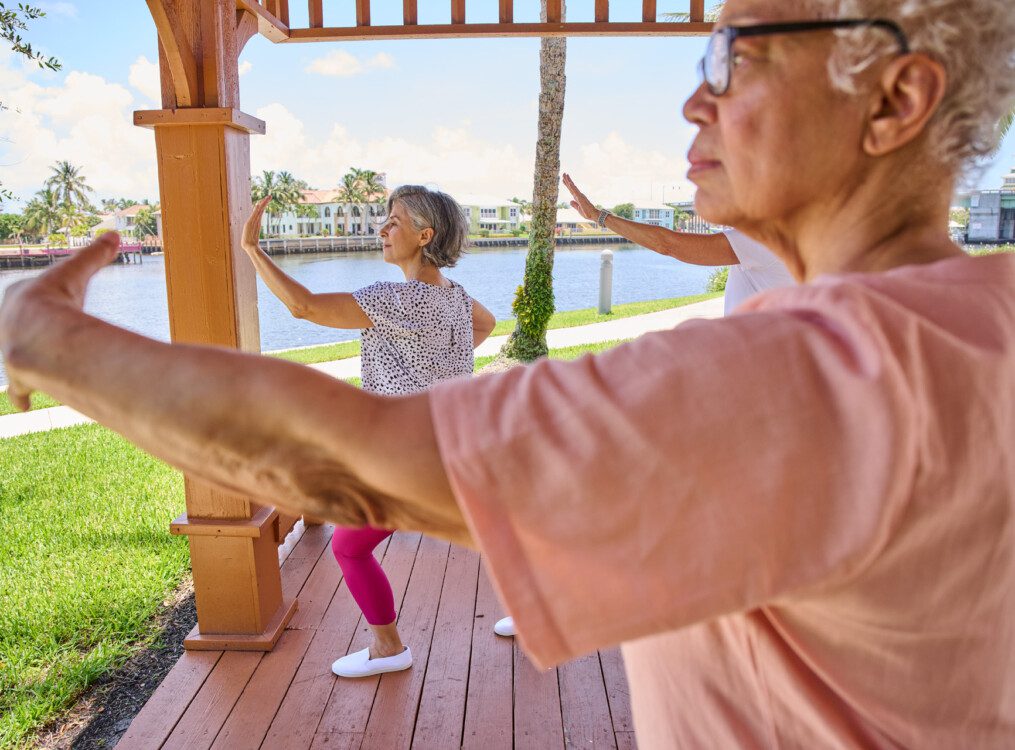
579	202
252	228
29	310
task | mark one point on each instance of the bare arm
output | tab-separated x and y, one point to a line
483	324
336	310
699	249
270	429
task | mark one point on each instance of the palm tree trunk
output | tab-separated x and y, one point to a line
533	303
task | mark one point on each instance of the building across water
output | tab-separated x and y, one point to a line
991	213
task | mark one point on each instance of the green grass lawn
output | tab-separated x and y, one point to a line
87	560
39	401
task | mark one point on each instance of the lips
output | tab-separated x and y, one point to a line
700	164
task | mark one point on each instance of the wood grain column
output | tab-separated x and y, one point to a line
203	148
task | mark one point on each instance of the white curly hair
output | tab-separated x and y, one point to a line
973	39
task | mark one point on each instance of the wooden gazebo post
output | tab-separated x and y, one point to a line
203	145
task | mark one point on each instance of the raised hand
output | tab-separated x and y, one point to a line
252	228
579	202
29	308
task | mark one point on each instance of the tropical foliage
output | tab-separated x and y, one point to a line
69	184
624	210
144	222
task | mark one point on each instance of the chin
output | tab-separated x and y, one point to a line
716	210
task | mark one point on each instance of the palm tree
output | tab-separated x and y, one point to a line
145	223
533	303
362	187
69	184
350	193
266	184
44	214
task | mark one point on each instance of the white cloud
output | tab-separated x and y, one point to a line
82	118
614	171
245	67
144	76
461	161
341	64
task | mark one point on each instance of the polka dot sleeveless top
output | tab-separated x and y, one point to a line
421	334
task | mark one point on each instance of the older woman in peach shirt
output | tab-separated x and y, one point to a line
850	582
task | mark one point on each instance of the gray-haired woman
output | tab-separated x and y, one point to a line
415	333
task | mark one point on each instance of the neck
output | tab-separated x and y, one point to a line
418	270
871	226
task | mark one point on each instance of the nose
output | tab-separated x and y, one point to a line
700	108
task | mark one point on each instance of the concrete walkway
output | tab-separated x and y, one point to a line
624	328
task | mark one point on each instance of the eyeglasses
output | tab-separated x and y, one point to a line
716	67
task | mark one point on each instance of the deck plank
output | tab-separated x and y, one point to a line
617	692
488	709
155	722
253	713
442	705
206	714
585	710
392	719
306	709
537	706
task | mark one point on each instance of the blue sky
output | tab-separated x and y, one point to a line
460	114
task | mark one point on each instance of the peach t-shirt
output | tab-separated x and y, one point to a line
798	520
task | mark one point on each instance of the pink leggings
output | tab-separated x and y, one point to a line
354	550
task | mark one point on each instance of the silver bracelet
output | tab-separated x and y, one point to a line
603	215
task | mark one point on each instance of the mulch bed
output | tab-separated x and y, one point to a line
102	715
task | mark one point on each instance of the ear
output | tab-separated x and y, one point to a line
425	236
903	100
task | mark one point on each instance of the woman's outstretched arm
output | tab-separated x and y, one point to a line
699	249
336	310
273	430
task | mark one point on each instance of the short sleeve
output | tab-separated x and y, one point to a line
688	474
382	303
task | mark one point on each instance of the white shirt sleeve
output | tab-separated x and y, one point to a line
759	270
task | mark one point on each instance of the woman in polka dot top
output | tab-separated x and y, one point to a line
414	333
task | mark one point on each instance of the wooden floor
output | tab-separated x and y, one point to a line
467	687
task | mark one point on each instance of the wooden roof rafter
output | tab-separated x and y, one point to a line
273	23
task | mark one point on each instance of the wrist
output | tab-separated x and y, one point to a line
604	215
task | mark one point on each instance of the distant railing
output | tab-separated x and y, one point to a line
294	245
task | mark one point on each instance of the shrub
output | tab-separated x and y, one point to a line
717	280
56	240
484	232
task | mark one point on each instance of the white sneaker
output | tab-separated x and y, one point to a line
360	664
505	627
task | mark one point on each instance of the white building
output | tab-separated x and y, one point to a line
327	216
492	214
658	216
570	221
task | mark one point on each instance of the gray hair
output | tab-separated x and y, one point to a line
432	209
973	39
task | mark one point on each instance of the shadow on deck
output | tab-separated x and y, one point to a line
467	688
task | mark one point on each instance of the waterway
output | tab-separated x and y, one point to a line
134	296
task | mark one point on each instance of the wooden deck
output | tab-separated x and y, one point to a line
467	688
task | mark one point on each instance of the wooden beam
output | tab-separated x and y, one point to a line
232	118
648	11
554	11
316	12
602	11
279	9
270	26
507	11
697	11
362	12
457	11
410	16
493	30
179	55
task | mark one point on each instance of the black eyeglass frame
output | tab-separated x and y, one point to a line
732	33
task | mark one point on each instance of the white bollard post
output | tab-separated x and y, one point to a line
606	282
